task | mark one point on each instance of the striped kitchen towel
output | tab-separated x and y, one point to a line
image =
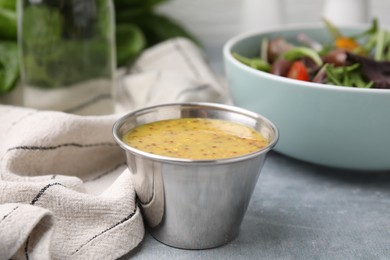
65	190
56	200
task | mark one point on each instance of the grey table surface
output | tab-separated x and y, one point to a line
302	211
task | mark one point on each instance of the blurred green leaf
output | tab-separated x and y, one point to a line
8	22
130	42
8	4
122	4
158	28
9	66
130	15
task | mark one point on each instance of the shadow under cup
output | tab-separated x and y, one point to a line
194	204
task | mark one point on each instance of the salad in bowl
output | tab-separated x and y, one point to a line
360	60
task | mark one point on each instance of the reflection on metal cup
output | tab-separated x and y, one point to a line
194	204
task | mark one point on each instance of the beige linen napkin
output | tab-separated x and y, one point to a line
65	191
176	71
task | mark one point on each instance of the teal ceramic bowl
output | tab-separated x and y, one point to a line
335	126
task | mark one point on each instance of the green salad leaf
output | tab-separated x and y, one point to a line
256	63
349	76
299	52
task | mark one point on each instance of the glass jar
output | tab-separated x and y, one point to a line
67	54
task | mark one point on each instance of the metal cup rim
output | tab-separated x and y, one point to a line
173	160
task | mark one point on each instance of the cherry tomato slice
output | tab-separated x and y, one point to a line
298	71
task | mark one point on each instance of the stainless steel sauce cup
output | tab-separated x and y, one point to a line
194	204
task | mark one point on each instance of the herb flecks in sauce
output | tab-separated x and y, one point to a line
195	138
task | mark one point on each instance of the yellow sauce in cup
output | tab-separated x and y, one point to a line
195	138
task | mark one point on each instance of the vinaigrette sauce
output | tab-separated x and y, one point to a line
195	138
